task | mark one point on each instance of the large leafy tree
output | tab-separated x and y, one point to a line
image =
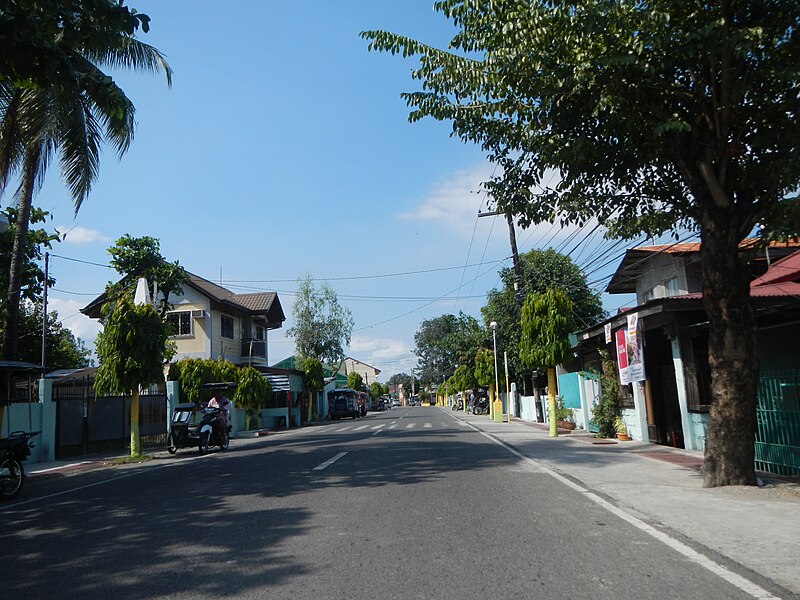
132	350
540	270
136	257
67	106
63	350
445	342
544	342
322	326
656	115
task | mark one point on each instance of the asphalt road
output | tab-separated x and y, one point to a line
409	503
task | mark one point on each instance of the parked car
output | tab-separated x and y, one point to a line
395	403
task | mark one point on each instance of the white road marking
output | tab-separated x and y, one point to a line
411	426
427	425
692	555
360	428
379	426
391	426
329	462
342	429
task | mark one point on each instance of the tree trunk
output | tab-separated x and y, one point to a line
136	442
551	401
732	355
18	256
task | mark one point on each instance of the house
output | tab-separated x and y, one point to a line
210	321
368	373
669	404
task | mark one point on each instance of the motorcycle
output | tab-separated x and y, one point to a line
458	405
13	450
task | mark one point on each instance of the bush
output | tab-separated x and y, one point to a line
562	412
605	412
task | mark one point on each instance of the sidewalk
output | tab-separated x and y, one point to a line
756	527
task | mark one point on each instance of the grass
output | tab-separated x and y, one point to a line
127	460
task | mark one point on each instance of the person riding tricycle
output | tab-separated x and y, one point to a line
202	425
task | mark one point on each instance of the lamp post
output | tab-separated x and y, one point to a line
493	326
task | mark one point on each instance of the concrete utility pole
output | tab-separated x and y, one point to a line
512	236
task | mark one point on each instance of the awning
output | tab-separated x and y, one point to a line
279	383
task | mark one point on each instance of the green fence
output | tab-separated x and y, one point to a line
778	417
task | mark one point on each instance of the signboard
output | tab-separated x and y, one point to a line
630	356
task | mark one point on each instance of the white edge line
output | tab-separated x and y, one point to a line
734	579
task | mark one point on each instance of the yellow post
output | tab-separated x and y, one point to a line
508	390
551	401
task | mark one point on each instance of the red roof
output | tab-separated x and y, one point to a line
786	269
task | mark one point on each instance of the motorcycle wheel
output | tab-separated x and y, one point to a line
171	447
205	437
226	441
11	476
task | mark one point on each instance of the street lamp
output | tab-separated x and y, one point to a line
493	325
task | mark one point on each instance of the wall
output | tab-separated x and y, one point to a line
660	268
199	344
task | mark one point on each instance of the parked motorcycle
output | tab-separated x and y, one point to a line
458	405
13	450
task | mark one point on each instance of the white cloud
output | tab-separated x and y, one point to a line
81	235
389	355
70	316
454	201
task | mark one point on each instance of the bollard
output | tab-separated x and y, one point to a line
498	411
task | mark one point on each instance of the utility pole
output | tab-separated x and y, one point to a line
512	236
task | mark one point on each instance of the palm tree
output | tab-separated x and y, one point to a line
69	113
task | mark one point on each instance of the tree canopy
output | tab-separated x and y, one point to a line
322	326
541	270
135	257
656	116
444	342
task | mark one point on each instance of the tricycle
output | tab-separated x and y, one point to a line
194	425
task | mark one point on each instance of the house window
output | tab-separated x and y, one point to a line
226	326
180	323
671	287
259	333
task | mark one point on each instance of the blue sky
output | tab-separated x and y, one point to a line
283	149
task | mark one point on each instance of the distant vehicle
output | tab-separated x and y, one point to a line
363	400
395	403
413	401
344	402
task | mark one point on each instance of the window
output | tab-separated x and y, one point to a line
259	333
180	323
671	286
226	326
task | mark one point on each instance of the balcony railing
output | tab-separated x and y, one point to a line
254	348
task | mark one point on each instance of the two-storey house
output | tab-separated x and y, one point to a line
210	321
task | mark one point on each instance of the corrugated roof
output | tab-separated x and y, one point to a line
635	262
785	269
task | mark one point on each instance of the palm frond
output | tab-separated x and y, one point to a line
133	54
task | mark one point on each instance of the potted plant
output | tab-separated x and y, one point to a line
564	418
621	429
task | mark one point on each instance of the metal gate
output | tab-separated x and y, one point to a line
86	423
778	418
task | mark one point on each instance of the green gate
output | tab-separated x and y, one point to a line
778	422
